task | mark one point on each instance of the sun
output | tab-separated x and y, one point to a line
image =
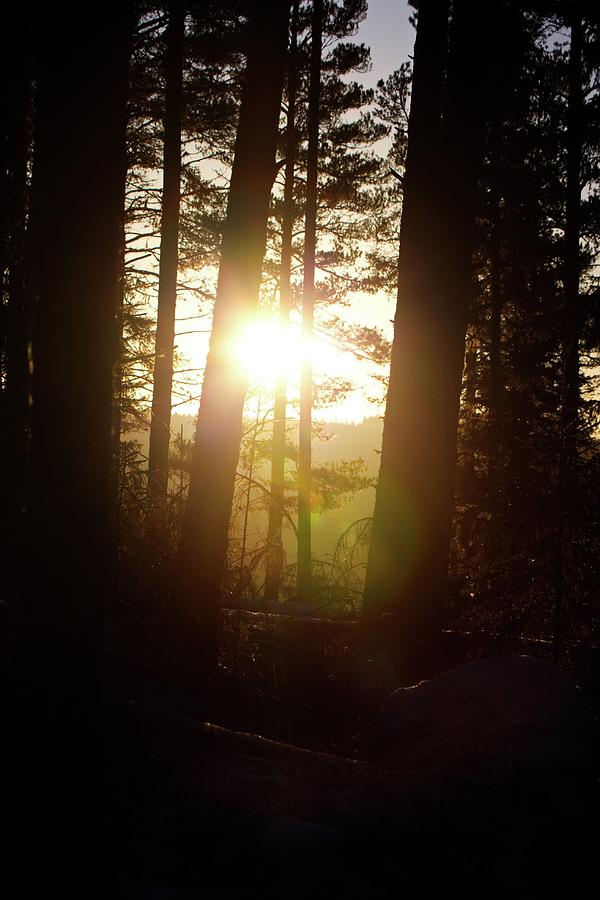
266	350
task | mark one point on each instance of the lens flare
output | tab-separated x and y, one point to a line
266	350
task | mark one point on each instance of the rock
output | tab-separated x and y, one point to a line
289	842
500	717
376	679
165	892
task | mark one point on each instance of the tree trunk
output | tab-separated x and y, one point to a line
275	553
203	543
572	317
116	470
572	267
495	399
160	422
395	525
408	560
466	474
308	299
76	204
17	96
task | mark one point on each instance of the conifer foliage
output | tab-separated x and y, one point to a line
178	171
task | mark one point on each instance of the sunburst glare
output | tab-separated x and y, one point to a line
266	350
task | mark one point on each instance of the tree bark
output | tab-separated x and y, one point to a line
203	544
572	266
572	318
17	96
393	537
466	476
274	534
160	422
76	204
495	398
408	559
308	299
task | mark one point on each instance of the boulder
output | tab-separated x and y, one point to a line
165	892
296	854
288	836
500	717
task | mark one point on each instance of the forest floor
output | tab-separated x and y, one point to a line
192	811
272	801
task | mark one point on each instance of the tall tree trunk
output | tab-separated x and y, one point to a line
116	471
467	473
308	300
275	553
394	524
76	202
495	399
240	579
203	542
17	90
160	422
572	267
408	559
572	317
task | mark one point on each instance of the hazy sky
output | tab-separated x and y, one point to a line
387	31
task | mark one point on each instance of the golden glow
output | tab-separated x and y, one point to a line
263	350
266	351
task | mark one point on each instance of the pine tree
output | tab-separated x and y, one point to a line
276	506
15	155
348	196
160	422
572	313
409	551
203	540
76	207
308	290
520	321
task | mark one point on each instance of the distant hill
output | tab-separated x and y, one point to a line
346	441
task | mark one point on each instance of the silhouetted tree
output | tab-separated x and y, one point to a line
76	206
276	506
203	540
308	292
160	421
348	194
15	150
390	534
525	525
411	528
572	315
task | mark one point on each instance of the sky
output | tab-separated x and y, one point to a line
387	31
